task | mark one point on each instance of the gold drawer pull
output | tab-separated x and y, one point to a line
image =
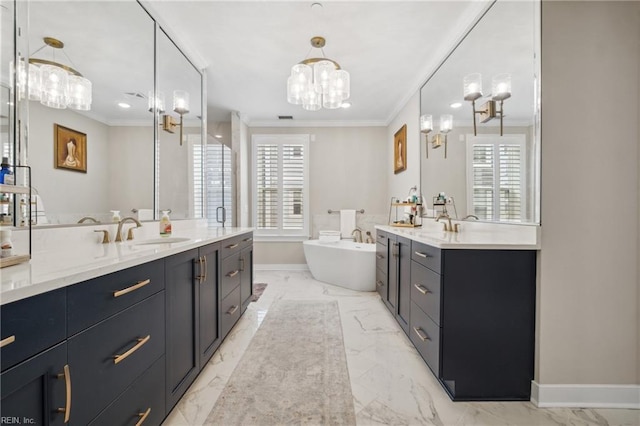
143	416
132	288
380	283
421	289
201	264
232	246
421	254
6	342
246	240
66	375
232	310
421	334
233	274
141	342
379	256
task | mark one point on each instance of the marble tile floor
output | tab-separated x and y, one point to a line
390	383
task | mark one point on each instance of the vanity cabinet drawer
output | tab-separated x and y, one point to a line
246	240
425	290
31	325
109	356
232	245
382	256
382	237
381	283
230	274
142	402
229	312
426	255
92	301
425	335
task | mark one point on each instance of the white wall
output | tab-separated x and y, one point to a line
64	191
347	171
398	185
588	284
242	150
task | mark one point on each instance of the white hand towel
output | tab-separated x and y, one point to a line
144	214
347	222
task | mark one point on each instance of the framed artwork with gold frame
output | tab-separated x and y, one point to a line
400	150
70	149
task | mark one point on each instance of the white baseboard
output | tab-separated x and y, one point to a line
281	267
585	396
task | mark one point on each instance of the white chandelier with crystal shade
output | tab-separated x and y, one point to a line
318	82
53	84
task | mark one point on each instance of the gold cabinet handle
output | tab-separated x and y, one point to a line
232	310
380	283
141	342
132	288
241	264
232	246
421	334
421	254
421	289
143	416
66	375
200	263
6	342
246	240
379	256
233	274
204	258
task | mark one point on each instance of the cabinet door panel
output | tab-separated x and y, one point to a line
209	330
136	334
246	276
392	290
33	391
34	324
404	282
182	322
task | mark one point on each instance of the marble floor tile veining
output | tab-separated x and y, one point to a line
390	383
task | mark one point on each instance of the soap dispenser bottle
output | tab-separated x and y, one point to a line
115	216
165	224
6	176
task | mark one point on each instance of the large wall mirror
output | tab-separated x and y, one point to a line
490	175
120	158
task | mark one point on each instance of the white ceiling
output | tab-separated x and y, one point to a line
248	48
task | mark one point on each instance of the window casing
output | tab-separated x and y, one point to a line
280	186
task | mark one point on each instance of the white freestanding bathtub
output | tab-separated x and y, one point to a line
344	263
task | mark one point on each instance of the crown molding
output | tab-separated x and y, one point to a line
310	123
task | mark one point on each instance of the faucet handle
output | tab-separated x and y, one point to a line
130	233
105	235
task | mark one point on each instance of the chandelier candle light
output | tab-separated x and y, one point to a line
53	84
318	82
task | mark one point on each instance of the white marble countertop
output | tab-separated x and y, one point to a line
68	264
472	235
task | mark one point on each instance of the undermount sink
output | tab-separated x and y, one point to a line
162	240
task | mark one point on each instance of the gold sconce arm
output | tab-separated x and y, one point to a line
168	124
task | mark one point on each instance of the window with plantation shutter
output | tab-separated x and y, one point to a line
496	178
281	185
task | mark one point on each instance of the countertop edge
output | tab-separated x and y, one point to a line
55	283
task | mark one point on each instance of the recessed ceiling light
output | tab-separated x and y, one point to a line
456	105
345	105
124	105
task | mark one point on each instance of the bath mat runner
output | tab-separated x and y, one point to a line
293	372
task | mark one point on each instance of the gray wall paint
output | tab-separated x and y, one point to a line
588	313
347	171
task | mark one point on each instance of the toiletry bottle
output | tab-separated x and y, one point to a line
5	173
165	224
5	243
115	216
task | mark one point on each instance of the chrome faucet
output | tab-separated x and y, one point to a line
88	218
130	234
448	226
470	216
358	233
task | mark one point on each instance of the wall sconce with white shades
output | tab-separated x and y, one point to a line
439	139
51	83
156	102
181	107
500	91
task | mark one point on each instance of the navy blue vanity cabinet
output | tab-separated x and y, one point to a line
382	264
473	318
246	270
207	282
35	391
182	323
